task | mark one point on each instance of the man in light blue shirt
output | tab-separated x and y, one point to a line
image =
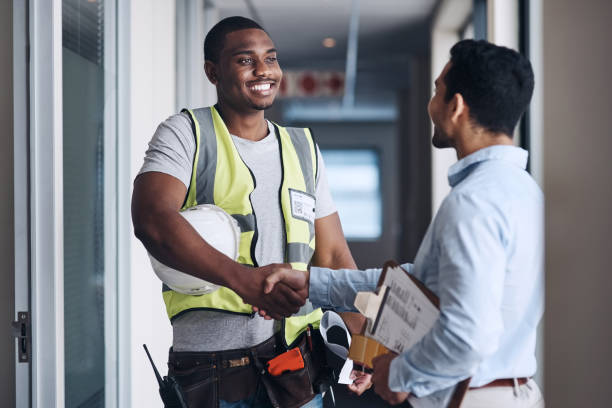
482	254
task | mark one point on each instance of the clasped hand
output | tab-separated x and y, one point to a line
278	300
285	285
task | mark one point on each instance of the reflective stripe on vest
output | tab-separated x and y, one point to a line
220	177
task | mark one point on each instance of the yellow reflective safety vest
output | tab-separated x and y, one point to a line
220	177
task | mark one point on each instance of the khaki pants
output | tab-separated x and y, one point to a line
524	396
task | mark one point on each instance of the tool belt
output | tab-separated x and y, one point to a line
291	375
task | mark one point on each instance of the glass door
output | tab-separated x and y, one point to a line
89	131
71	183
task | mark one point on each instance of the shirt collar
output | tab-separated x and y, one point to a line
511	154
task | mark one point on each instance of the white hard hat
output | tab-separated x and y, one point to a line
219	230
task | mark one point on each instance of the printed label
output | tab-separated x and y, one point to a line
302	205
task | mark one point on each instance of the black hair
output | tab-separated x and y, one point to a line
495	82
213	43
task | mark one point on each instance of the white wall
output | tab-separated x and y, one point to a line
193	21
152	99
449	17
503	23
536	120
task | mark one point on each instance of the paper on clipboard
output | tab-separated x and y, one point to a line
404	314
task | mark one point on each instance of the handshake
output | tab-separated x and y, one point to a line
275	291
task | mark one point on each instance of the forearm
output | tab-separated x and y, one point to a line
337	260
332	251
468	331
337	288
171	240
337	257
439	361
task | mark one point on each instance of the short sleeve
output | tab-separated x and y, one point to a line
324	202
172	149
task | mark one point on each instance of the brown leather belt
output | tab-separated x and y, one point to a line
221	359
503	382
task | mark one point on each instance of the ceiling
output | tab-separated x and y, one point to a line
391	32
298	27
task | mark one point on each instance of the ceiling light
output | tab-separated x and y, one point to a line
329	42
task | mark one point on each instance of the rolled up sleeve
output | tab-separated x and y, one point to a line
336	289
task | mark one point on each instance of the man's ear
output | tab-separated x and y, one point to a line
458	107
211	72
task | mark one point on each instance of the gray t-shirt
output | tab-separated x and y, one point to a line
171	151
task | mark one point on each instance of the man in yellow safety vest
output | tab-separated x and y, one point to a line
271	180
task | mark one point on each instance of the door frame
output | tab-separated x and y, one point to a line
46	203
39	203
21	196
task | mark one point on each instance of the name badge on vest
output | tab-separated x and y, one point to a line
302	205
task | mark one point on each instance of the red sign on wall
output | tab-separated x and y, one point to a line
312	84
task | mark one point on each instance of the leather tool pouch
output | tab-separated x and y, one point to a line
204	378
203	382
295	388
198	382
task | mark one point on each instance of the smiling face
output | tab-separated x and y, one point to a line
247	74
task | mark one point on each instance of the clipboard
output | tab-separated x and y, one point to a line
433	298
364	349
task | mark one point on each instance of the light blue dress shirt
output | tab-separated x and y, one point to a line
483	256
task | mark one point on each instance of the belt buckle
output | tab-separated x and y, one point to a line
237	362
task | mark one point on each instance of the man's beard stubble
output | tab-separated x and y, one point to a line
262	107
440	140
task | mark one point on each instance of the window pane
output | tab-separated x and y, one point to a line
354	181
83	117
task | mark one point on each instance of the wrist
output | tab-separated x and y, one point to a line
236	277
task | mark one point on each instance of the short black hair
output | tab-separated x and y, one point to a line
495	82
213	43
